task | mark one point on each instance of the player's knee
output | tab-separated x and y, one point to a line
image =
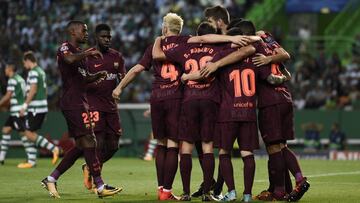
223	151
207	147
172	143
272	149
186	147
246	153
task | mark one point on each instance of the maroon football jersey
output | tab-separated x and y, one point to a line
100	95
270	94
73	94
193	57
238	89
167	83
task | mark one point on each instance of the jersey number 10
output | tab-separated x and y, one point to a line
244	82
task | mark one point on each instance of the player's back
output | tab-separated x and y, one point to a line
74	87
193	57
238	90
167	83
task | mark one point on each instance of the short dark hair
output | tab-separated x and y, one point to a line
74	23
217	12
206	28
247	27
101	27
29	55
234	31
234	23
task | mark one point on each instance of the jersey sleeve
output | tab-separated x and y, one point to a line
269	39
146	59
11	85
63	50
33	77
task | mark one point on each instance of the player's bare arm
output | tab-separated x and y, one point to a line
6	98
157	52
72	58
236	56
194	76
280	56
94	77
129	77
213	38
29	98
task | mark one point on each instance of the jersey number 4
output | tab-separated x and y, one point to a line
168	71
244	82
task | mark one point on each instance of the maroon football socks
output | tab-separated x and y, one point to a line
93	163
160	163
171	163
185	171
293	164
277	172
227	170
249	173
69	159
208	163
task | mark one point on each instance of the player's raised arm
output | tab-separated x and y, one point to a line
129	77
72	57
157	52
214	38
238	55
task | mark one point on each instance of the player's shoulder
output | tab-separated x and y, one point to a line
115	53
33	72
65	46
176	39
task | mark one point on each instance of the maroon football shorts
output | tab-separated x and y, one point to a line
276	122
245	133
165	118
198	120
107	129
78	122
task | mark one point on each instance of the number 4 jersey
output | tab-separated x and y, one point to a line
167	83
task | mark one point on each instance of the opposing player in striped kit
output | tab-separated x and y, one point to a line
36	105
15	93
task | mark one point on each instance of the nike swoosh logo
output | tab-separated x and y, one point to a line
97	65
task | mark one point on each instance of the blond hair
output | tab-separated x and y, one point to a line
173	22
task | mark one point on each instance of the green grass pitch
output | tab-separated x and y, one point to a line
331	181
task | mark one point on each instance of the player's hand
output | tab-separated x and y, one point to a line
116	93
147	113
208	69
102	76
241	40
22	112
254	38
260	60
184	78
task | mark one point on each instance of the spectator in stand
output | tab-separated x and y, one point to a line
312	136
337	138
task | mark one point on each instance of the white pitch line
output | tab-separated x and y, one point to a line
323	175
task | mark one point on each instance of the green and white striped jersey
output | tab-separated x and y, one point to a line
16	85
39	103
